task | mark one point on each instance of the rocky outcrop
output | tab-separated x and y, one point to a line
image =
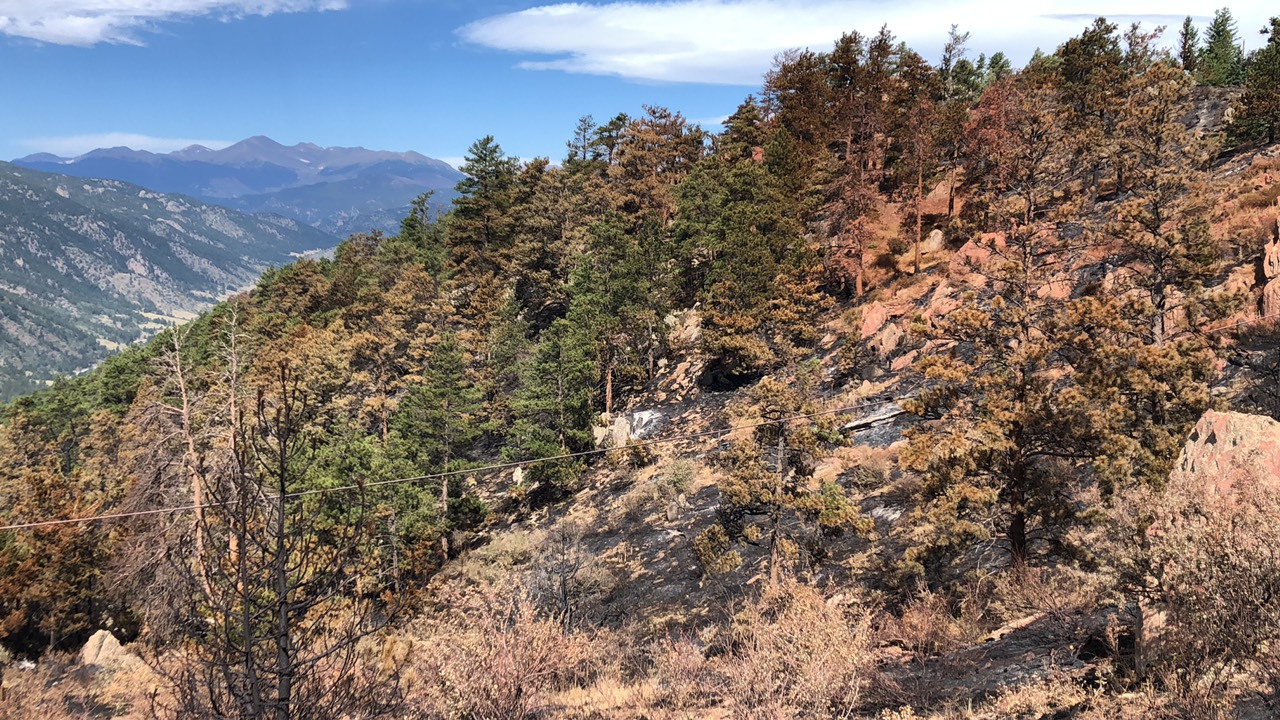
1271	298
1228	448
631	427
102	649
1271	254
873	318
1271	273
934	242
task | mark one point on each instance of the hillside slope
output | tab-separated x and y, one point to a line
876	404
90	265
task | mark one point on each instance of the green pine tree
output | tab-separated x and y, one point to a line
554	407
1221	61
1259	105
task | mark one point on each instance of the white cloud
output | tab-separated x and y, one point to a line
717	121
733	42
89	22
73	145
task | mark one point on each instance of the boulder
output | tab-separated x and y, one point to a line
645	423
1226	448
102	649
685	328
1271	255
943	302
1271	298
933	242
620	431
902	362
628	427
974	254
600	433
887	340
873	318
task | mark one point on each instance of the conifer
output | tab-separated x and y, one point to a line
1221	61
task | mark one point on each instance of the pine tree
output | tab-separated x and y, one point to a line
1221	61
437	423
1163	223
271	615
481	230
553	409
953	83
759	291
990	458
50	577
1189	45
1259	114
768	496
859	73
914	127
998	68
654	153
611	288
1090	74
555	209
438	420
585	153
796	96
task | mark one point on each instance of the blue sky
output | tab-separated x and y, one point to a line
434	75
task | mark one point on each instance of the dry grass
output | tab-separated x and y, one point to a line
1060	593
932	624
1261	198
61	689
495	657
1206	563
794	653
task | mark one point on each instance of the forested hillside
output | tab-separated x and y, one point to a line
90	266
875	404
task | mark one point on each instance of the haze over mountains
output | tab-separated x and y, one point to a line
338	190
89	265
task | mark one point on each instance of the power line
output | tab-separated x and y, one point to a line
453	473
117	516
1242	322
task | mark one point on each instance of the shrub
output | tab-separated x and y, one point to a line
681	674
794	653
928	626
1205	562
497	658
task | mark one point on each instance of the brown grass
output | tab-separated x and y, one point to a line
497	658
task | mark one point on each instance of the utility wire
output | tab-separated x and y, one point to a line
452	473
1232	326
514	463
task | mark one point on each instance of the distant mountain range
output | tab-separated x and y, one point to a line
89	265
338	190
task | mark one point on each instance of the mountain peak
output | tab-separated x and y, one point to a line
260	140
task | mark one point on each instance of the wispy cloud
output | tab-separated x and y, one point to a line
89	22
733	42
73	145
